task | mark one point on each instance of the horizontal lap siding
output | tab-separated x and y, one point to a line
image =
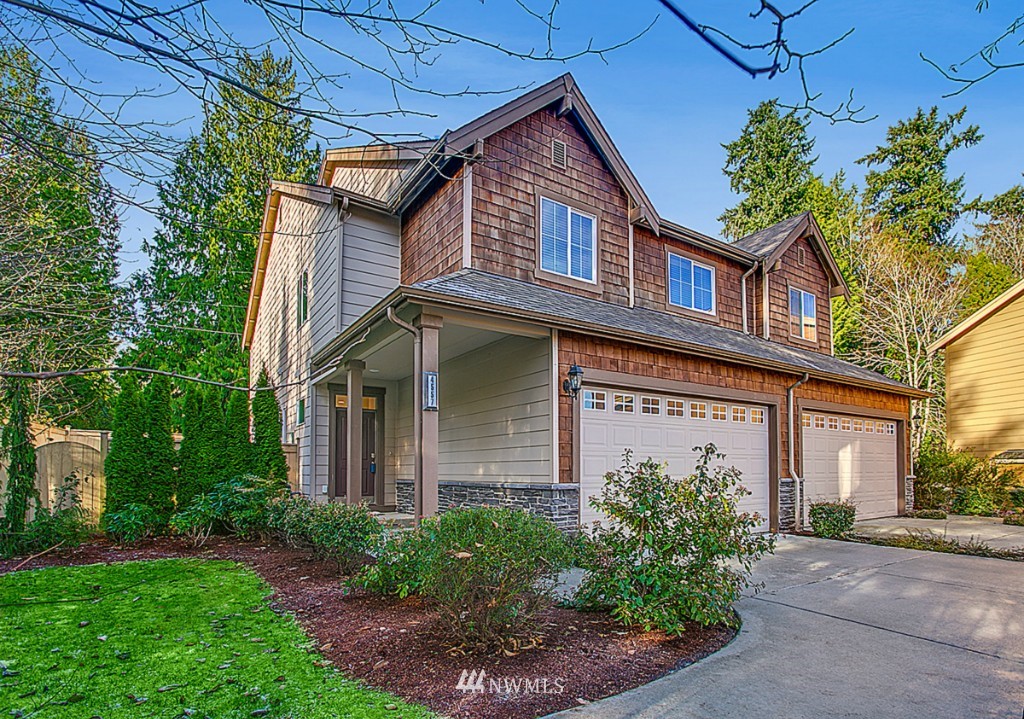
371	264
985	384
432	233
516	166
810	276
488	431
612	356
650	271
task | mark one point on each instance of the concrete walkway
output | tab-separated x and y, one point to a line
989	530
851	630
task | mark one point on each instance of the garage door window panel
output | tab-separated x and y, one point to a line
676	408
624	403
594	401
698	410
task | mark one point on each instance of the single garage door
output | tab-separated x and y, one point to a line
849	457
667	428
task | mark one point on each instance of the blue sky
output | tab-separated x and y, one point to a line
669	102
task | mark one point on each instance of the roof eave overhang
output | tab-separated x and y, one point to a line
809	227
978	317
425	296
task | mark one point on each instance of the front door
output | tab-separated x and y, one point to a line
371	438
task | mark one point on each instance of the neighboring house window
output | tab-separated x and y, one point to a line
803	315
568	241
302	298
300	412
691	285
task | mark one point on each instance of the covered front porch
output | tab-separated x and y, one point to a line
429	408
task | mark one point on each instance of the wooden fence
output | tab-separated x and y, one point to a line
61	452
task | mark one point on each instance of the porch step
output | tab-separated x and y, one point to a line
396	520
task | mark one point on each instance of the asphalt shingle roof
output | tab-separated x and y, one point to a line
764	242
583	312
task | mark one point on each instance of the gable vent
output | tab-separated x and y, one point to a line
558	153
800	256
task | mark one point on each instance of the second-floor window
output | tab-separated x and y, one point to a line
691	285
302	298
803	315
568	241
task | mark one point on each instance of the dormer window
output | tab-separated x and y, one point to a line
691	285
568	241
803	315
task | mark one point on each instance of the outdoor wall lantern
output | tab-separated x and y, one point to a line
572	384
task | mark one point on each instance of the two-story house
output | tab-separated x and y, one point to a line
421	306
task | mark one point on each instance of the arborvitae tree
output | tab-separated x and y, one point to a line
911	192
237	451
211	420
18	453
192	444
770	165
126	462
159	444
266	425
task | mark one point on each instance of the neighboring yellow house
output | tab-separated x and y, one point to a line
985	377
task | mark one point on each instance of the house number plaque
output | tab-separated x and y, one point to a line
430	391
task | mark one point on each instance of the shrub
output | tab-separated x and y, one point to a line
673	550
832	519
489	570
65	523
929	541
347	534
1017	497
956	481
18	454
927	514
242	504
195	522
1017	519
131	523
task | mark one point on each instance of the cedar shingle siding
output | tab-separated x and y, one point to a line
432	233
517	166
809	276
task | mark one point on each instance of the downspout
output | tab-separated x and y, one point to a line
765	307
743	296
798	514
417	416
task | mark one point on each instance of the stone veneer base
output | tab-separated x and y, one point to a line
558	502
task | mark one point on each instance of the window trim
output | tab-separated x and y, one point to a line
790	287
300	412
580	209
703	262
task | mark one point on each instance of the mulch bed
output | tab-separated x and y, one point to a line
395	645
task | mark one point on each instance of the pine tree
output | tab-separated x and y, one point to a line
238	451
126	461
18	453
159	473
912	194
194	295
770	165
211	420
269	461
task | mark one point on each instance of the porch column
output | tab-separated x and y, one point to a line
354	418
426	475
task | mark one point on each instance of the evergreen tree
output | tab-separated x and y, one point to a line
194	295
770	165
1000	235
211	418
159	474
60	304
126	461
986	280
911	192
269	461
189	453
18	454
238	451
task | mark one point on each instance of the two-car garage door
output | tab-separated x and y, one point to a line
667	428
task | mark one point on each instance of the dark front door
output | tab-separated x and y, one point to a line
369	479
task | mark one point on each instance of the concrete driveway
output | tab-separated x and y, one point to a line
851	630
989	530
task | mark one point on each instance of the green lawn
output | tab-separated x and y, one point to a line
169	638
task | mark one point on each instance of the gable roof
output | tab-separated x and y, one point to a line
979	316
772	242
